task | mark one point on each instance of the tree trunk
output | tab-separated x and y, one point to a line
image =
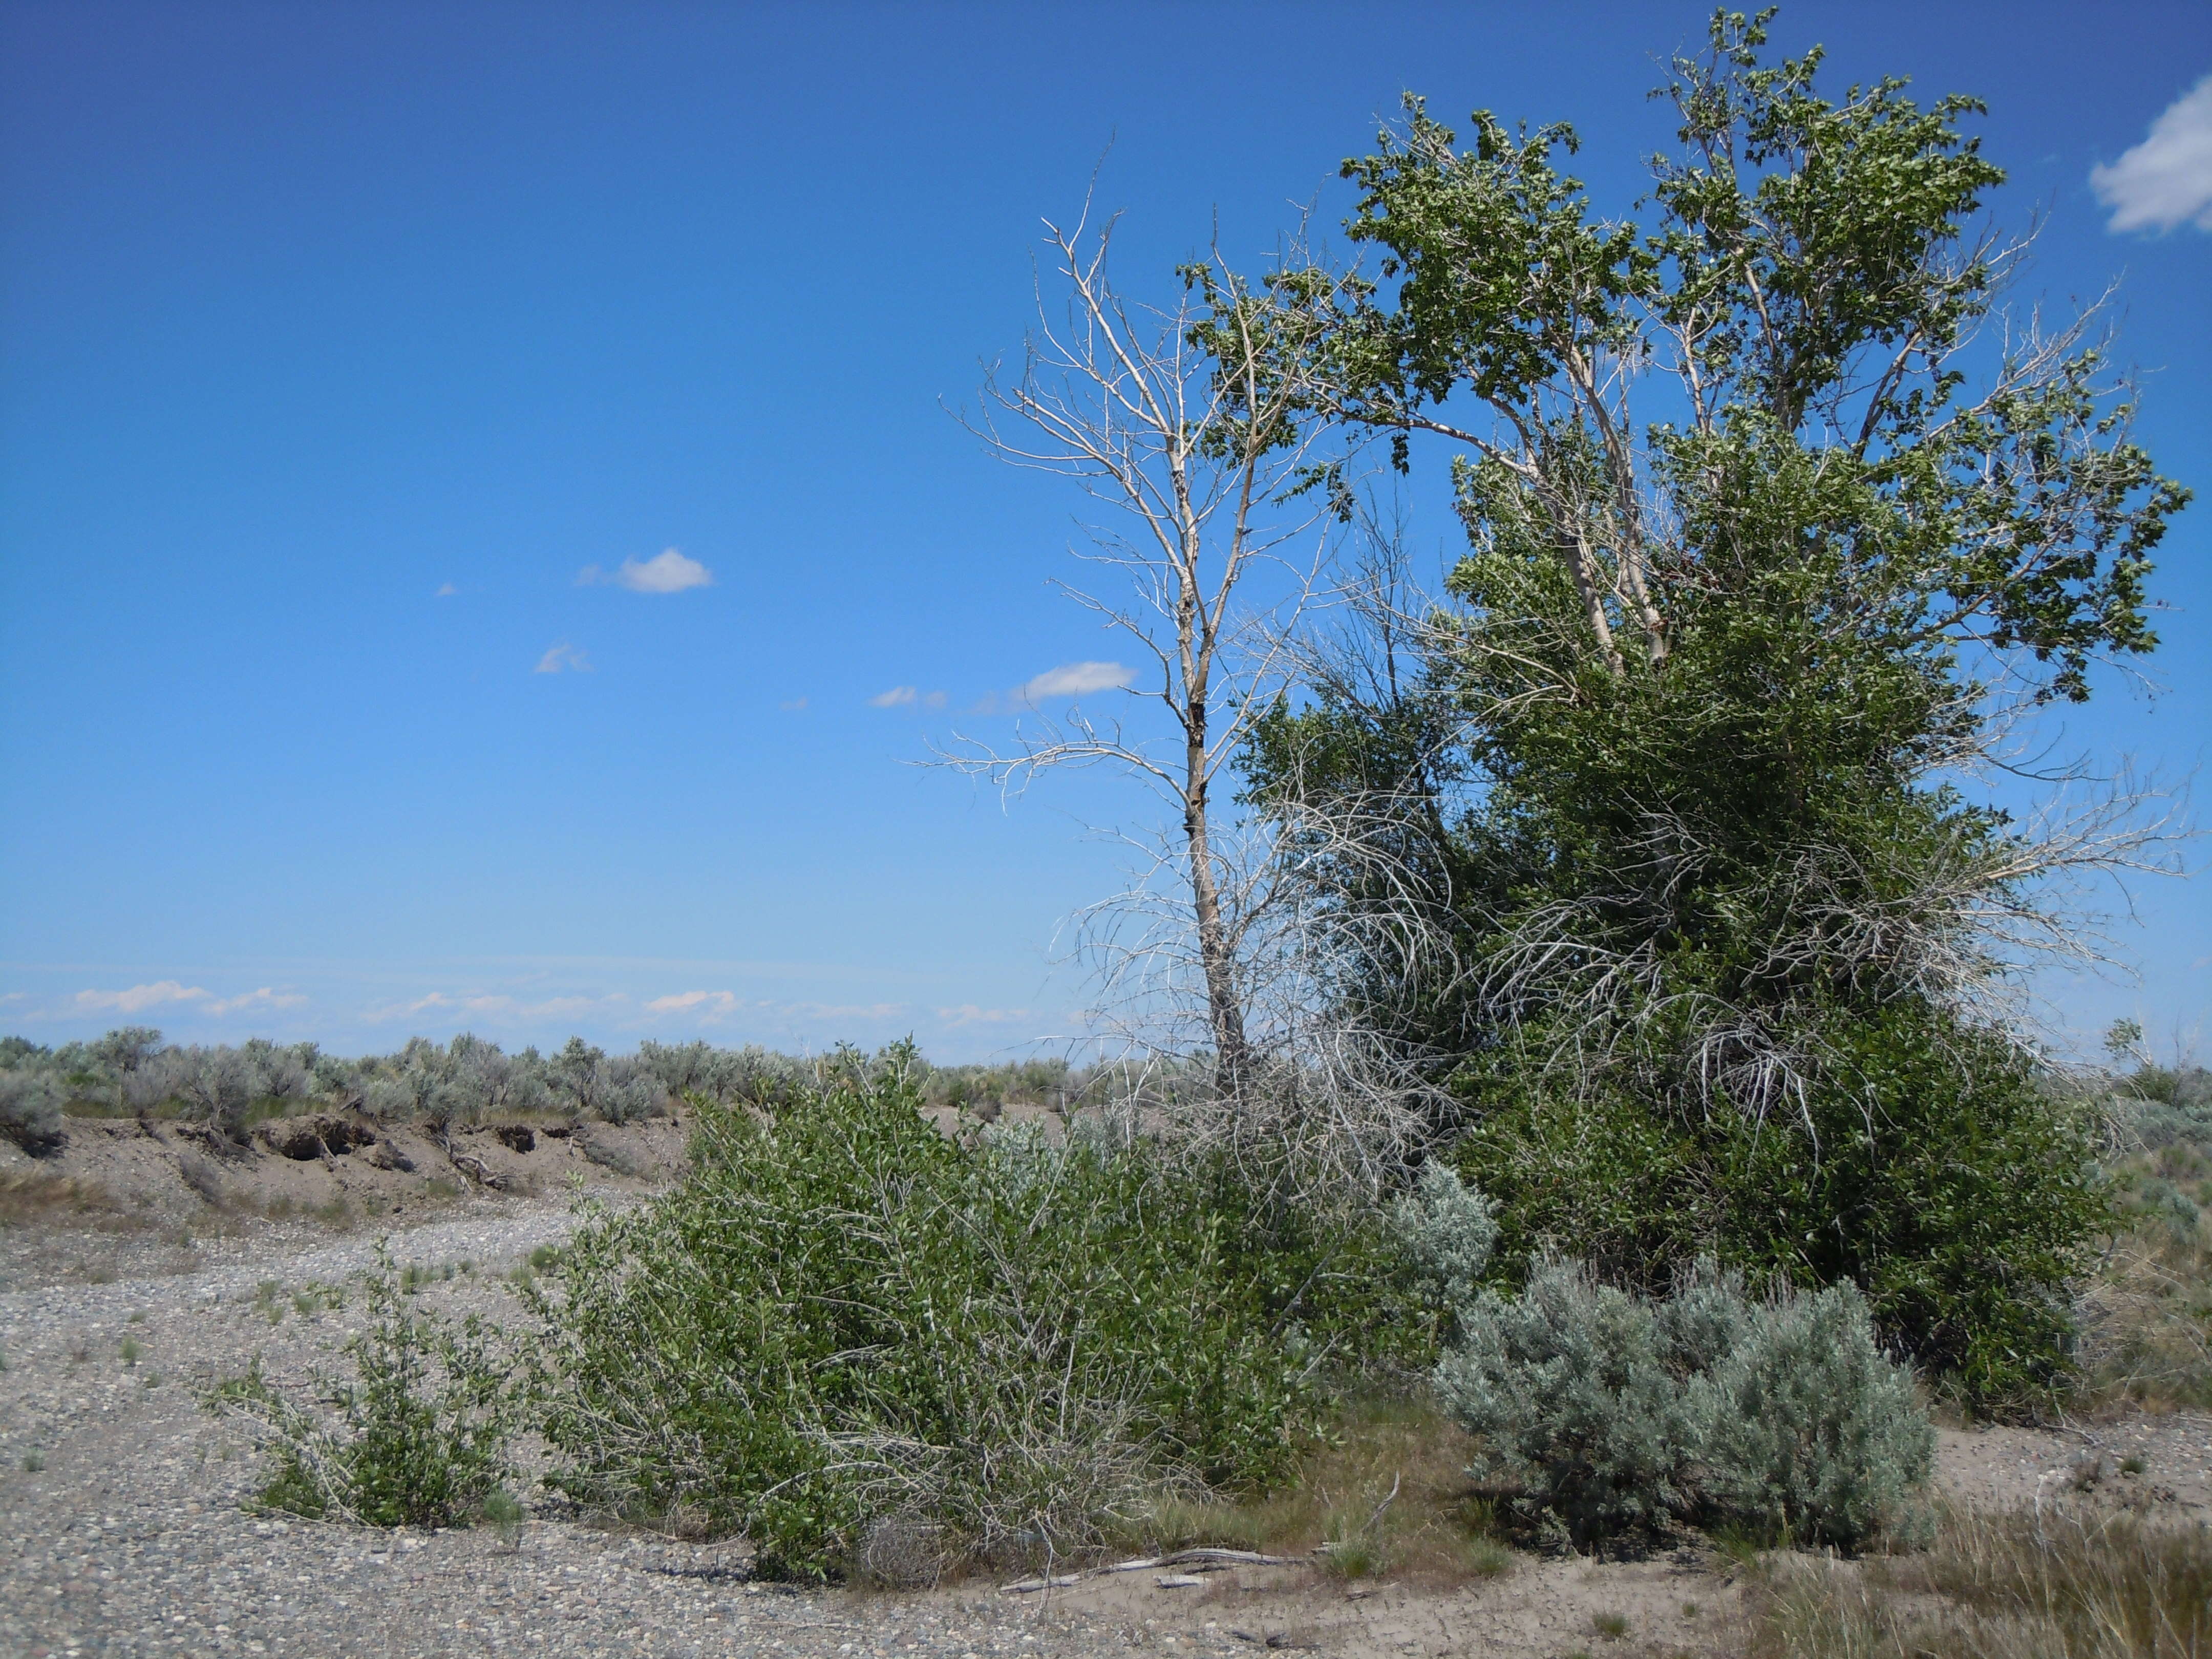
1225	1008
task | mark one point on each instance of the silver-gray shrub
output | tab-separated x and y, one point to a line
751	1076
1597	1411
216	1085
463	1082
590	1083
275	1073
1448	1232
1810	1431
31	1100
1573	1408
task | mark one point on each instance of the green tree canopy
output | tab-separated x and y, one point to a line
1773	513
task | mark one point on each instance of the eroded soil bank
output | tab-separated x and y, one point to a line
125	1199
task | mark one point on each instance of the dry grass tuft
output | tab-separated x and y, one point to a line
2001	1587
39	1196
2147	1314
1387	1492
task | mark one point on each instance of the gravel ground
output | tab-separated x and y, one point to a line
121	1530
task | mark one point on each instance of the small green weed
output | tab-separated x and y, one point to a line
33	1461
130	1351
501	1509
1611	1625
423	1424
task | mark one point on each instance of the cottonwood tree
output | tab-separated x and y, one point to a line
1186	425
1776	518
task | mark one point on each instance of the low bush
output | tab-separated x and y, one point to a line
1810	1431
588	1083
1599	1411
31	1109
846	1323
422	1427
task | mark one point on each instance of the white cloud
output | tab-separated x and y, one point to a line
796	706
266	997
562	655
496	1006
137	998
969	1014
666	572
445	591
897	698
830	1010
2167	180
707	1005
1073	679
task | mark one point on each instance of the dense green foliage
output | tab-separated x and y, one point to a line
1940	1177
846	1318
1675	765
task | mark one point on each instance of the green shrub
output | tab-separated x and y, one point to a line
845	1321
423	1426
1601	1412
1931	1169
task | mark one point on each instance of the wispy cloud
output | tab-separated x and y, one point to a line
2167	180
137	998
562	655
666	572
796	706
830	1010
1070	679
706	1006
266	997
445	591
899	697
494	1005
969	1014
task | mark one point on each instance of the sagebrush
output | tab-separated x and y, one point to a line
1598	1413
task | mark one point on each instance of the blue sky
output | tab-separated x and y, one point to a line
338	341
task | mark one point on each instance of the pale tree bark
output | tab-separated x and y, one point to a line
1188	423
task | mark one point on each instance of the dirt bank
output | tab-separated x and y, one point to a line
127	1199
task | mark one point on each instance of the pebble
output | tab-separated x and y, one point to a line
129	1539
